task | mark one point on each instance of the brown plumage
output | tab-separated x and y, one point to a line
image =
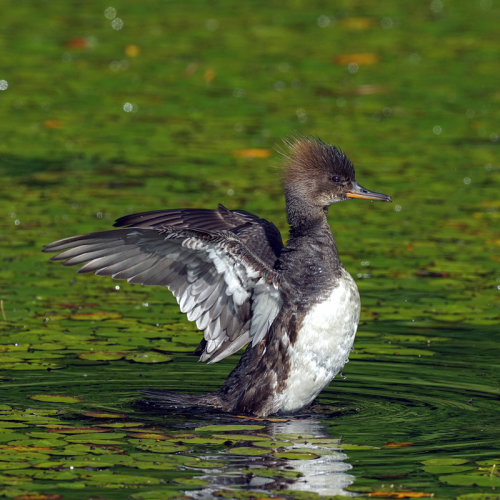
232	275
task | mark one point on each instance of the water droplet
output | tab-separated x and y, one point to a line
387	23
4	85
437	6
353	68
493	137
437	129
239	93
117	287
117	24
212	24
283	67
323	21
279	86
467	180
239	127
99	215
470	113
398	208
230	192
414	58
110	13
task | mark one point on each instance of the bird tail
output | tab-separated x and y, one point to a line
209	400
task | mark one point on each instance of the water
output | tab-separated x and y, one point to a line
181	105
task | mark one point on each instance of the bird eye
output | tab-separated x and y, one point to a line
335	178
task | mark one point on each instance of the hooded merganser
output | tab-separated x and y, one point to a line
295	304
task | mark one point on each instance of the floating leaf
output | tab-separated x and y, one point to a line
149	357
241	437
206	464
190	481
101	356
122	424
149	435
252	153
14	465
76	430
161	448
489	463
292	436
445	469
479	496
96	435
392	444
95	316
399	494
199	440
272	443
444	461
357	447
270	472
359	59
247	450
357	23
96	414
296	455
132	50
119	479
222	428
471	480
50	398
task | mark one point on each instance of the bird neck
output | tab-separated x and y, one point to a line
305	217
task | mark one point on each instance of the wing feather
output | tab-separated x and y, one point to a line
222	285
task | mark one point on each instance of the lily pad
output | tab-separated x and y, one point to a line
200	440
76	430
248	450
354	447
489	463
470	480
446	469
95	316
96	414
444	461
50	398
161	448
14	465
222	428
296	455
240	437
190	481
118	479
149	357
102	356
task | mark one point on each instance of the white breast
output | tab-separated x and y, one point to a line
322	346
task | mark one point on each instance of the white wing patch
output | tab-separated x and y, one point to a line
218	282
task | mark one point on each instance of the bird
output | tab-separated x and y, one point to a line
293	305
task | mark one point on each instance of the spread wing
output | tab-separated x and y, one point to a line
259	235
231	293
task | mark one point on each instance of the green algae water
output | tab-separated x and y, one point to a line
111	109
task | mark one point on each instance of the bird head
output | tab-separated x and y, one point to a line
321	174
